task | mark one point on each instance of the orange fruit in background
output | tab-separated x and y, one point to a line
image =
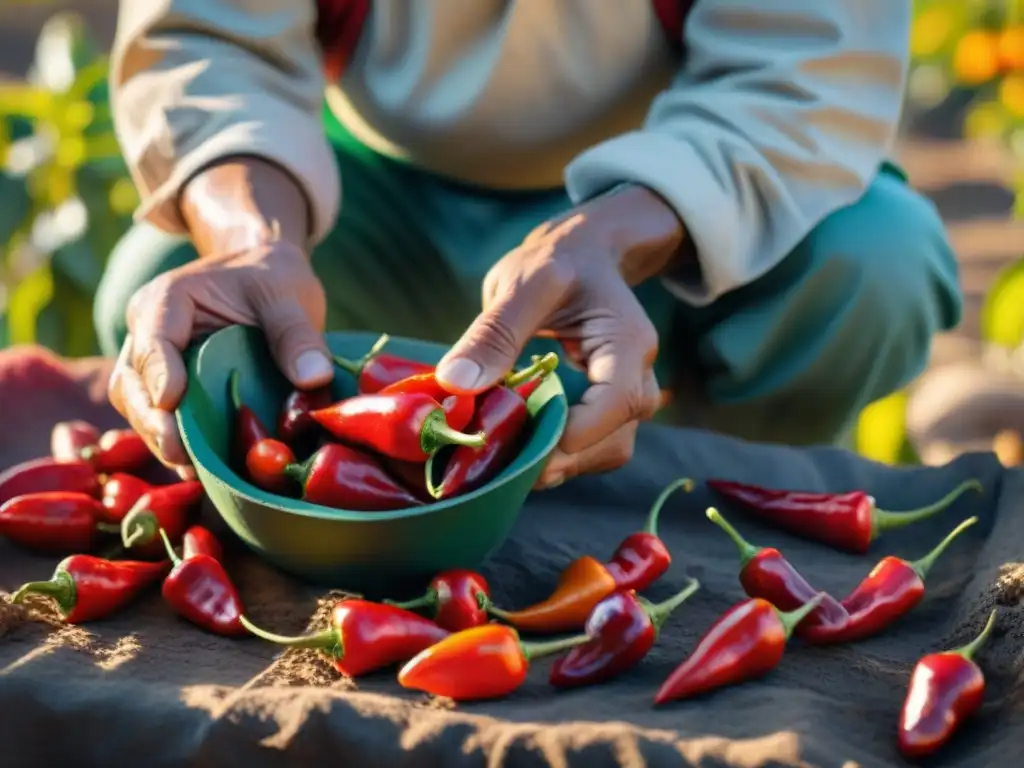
1011	48
976	59
1011	93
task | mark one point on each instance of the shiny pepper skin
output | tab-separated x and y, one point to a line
200	590
48	474
118	450
121	492
56	522
267	466
456	599
295	427
69	438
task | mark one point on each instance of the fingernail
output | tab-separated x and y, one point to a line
460	373
185	473
312	366
552	482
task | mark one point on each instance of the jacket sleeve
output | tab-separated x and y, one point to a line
782	114
194	81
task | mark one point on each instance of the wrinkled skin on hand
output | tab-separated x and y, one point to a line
571	280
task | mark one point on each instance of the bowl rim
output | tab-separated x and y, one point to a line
208	462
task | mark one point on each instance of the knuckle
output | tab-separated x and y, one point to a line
645	336
621	451
494	331
636	402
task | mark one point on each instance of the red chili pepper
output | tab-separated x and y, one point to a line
846	521
410	474
458	409
266	463
480	663
198	540
364	636
167	507
457	600
121	492
47	474
295	426
747	642
642	557
52	522
340	477
69	438
249	429
375	370
118	450
583	584
200	591
502	416
890	591
765	573
409	427
622	630
88	588
945	690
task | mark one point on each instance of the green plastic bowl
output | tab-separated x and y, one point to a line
368	552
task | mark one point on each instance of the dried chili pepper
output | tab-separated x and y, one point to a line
501	415
69	438
765	573
121	492
893	588
456	599
87	588
118	450
295	426
846	521
198	540
405	426
479	663
622	630
48	474
376	370
200	591
945	690
266	465
364	637
458	409
53	522
582	585
340	477
642	557
249	428
747	642
167	507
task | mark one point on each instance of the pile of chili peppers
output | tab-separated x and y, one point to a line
401	441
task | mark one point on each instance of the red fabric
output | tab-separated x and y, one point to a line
339	25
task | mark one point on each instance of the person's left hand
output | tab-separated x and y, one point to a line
570	279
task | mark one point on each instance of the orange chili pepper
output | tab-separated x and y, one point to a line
582	585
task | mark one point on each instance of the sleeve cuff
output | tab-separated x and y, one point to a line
293	140
674	170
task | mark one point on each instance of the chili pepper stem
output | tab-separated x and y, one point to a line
140	528
659	612
536	650
540	365
437	434
327	640
427	600
355	367
747	550
235	389
924	564
652	517
435	491
297	472
108	527
968	651
882	521
171	554
61	588
791	619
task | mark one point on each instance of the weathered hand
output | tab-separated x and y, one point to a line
272	287
570	279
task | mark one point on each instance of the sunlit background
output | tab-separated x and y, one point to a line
65	198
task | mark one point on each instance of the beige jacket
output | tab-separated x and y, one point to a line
779	113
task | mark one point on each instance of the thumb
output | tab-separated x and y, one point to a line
297	346
489	348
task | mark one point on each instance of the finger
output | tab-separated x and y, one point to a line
610	453
156	426
297	346
161	319
494	341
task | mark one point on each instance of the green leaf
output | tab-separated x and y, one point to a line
1002	313
27	301
881	433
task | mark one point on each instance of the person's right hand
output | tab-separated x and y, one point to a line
272	287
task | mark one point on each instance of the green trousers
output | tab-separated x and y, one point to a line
846	318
